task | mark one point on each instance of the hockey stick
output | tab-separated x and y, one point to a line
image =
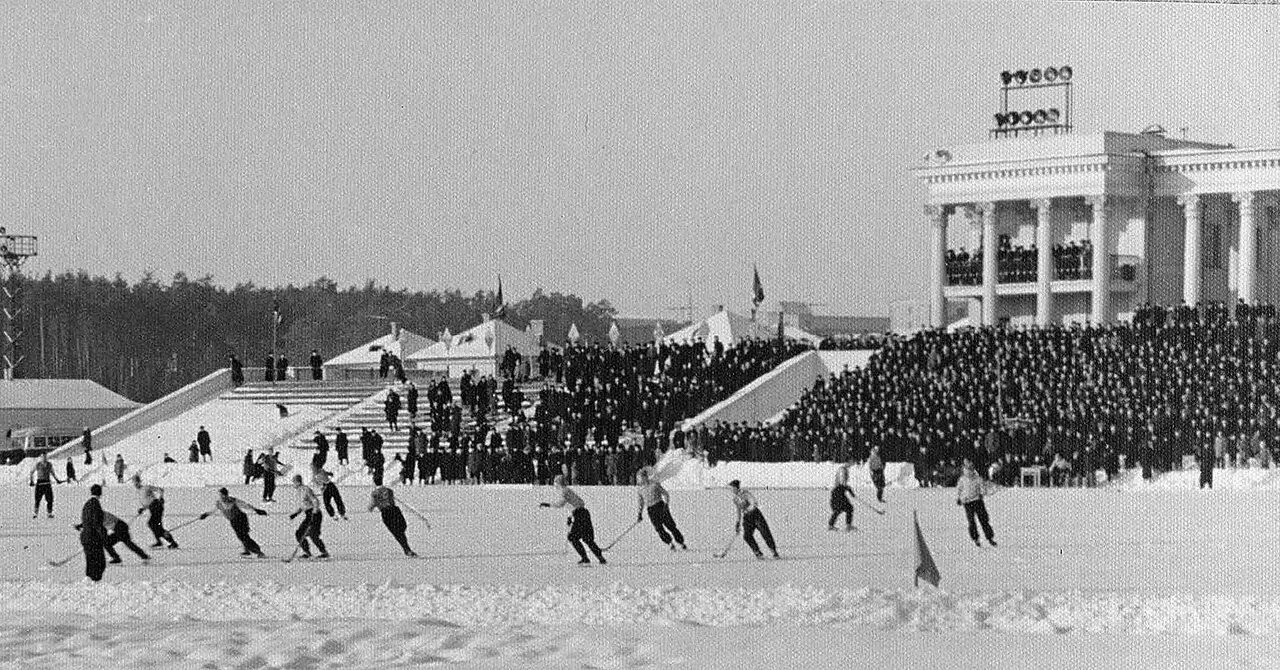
869	506
417	514
729	546
619	538
63	561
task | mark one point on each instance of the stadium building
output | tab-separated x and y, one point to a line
1090	226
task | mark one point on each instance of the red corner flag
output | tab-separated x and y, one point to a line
926	569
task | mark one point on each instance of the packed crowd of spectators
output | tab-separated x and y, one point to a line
1186	381
520	454
1016	263
651	387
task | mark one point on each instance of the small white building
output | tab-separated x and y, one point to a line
1163	220
479	348
730	327
362	362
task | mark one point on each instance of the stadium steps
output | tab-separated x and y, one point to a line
367	412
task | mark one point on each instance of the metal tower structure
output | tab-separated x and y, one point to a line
14	251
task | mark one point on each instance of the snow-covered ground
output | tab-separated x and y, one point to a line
1144	576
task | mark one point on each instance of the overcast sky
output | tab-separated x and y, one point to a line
633	151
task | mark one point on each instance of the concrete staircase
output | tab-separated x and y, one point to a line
356	404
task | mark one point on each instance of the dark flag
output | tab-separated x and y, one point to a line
926	569
757	289
782	333
501	312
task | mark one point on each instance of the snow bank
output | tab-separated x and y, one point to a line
678	470
909	610
1228	478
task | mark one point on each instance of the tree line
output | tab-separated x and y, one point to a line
147	339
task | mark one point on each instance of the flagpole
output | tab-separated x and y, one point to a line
275	323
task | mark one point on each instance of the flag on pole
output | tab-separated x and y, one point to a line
757	289
614	334
782	333
501	311
573	333
275	310
926	569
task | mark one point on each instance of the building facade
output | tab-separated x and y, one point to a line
1086	228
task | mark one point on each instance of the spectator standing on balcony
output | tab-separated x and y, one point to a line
86	439
317	365
237	371
205	442
282	368
269	368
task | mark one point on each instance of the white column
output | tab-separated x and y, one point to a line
1101	259
1248	278
1190	248
1044	261
988	212
937	265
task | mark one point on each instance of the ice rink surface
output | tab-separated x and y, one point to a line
1159	578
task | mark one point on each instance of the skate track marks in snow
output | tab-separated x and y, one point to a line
1179	578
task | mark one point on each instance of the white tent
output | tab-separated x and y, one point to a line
730	327
480	348
360	360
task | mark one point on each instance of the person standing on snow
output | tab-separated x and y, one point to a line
39	478
234	509
309	507
93	535
751	519
153	502
580	529
653	497
875	465
384	501
841	500
969	494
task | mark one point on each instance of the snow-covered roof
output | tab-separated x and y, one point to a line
60	394
482	341
730	327
403	344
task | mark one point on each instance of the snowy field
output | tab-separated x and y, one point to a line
1140	577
